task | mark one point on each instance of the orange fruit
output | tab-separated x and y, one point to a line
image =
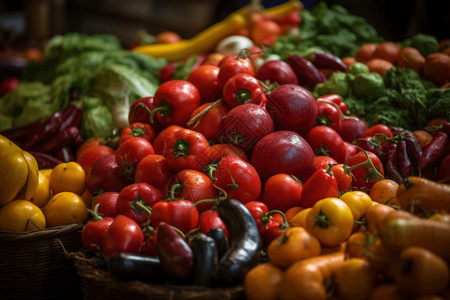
65	208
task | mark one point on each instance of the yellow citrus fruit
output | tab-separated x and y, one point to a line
68	177
43	191
21	215
65	208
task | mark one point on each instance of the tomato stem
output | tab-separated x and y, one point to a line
94	213
348	169
164	110
198	116
322	220
143	105
243	96
181	148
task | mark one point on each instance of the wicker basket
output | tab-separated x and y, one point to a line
34	265
99	284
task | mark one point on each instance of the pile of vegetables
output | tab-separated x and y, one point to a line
292	166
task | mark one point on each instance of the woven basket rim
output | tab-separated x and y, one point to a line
94	275
11	236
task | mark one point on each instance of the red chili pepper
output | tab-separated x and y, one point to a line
174	101
62	139
433	151
325	140
444	168
186	149
321	184
392	171
243	88
403	161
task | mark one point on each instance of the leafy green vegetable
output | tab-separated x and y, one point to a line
93	66
97	119
439	103
425	43
330	28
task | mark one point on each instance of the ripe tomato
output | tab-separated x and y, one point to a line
230	66
282	191
94	232
135	201
323	161
181	214
343	179
195	186
90	142
205	79
262	282
139	129
331	221
239	179
294	245
123	235
208	119
21	215
90	155
174	101
210	219
68	177
167	37
384	191
217	151
65	208
366	168
131	152
107	204
158	143
154	170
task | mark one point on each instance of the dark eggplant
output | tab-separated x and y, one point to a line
206	259
391	169
245	242
403	161
130	266
306	72
174	252
326	60
220	238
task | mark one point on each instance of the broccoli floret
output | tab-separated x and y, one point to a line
439	103
426	44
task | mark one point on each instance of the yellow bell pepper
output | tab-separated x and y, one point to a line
19	174
205	41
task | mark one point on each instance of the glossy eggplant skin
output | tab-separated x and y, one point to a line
220	238
245	242
206	259
174	252
130	266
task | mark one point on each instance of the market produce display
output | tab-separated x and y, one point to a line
295	154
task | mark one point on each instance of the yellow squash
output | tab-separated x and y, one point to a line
19	175
206	41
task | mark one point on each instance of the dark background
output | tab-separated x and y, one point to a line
33	22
